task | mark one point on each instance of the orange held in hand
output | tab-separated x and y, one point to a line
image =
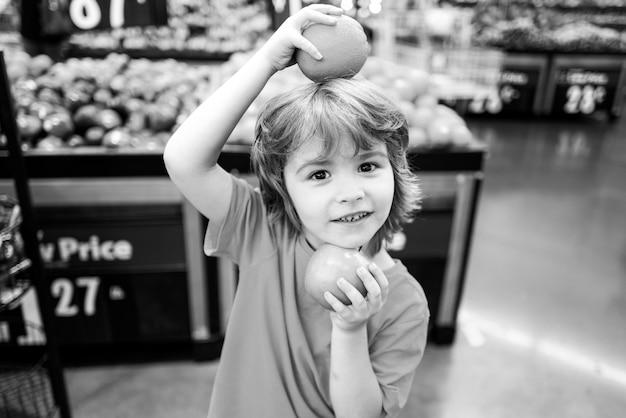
326	266
343	46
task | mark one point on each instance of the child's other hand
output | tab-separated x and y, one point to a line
280	48
352	317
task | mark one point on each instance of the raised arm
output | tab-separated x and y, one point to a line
191	153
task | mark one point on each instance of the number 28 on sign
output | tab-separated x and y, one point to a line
586	90
583	99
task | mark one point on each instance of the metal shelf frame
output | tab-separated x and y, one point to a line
29	234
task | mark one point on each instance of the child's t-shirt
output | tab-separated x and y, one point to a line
276	355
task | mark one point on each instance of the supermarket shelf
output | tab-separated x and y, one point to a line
151	53
95	162
87	181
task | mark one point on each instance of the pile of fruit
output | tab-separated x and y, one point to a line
597	26
431	125
111	102
119	102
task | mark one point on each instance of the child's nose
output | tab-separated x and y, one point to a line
350	191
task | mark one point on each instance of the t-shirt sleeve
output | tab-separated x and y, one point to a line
245	232
398	346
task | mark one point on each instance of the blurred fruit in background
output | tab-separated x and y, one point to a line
29	126
431	125
580	26
59	124
120	102
99	102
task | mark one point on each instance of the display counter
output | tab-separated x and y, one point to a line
123	248
124	257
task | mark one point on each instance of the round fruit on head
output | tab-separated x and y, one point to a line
343	46
326	266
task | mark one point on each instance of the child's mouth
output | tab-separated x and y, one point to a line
352	218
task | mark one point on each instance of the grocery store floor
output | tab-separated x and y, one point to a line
541	326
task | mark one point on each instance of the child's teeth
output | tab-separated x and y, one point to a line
351	218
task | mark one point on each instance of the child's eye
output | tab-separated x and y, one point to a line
319	175
367	167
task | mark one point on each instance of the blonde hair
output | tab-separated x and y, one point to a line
329	110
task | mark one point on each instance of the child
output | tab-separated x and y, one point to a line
331	162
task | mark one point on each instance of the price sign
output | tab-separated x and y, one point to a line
79	307
584	91
518	90
102	14
122	239
105	308
127	307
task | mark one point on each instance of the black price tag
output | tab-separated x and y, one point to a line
103	14
80	309
518	89
124	307
515	94
584	91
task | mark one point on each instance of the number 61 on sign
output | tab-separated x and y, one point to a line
100	14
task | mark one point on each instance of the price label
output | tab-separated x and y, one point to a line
584	91
515	95
584	99
81	309
120	307
518	89
88	240
65	291
102	14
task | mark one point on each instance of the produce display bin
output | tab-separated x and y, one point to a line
118	191
123	248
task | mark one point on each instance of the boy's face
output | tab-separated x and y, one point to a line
342	200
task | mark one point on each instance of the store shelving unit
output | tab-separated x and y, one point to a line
451	177
123	248
36	272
